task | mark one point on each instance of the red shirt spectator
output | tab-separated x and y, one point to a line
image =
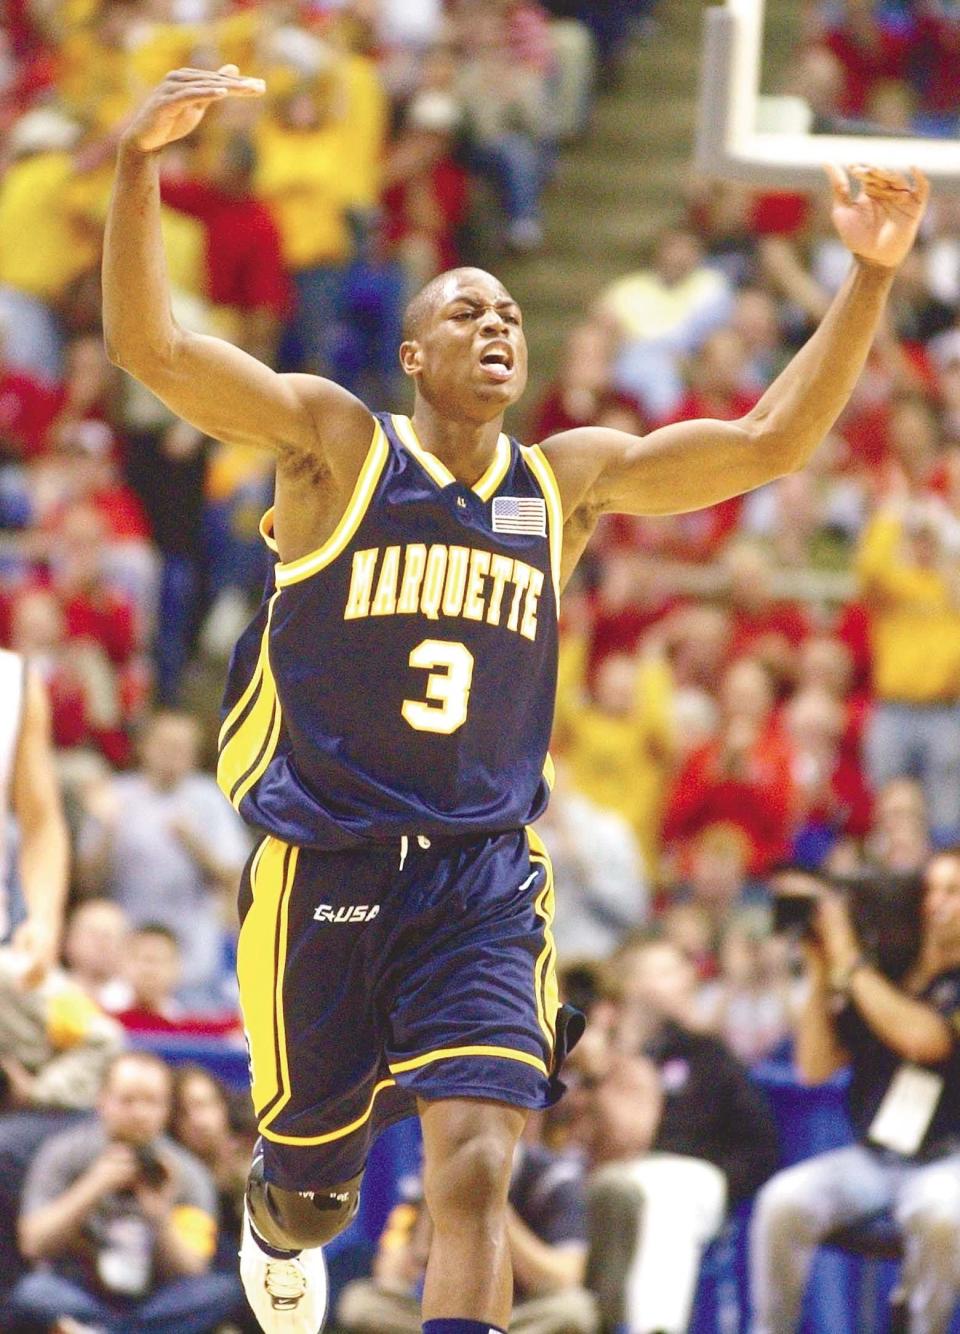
733	781
753	625
869	51
243	256
428	209
27	408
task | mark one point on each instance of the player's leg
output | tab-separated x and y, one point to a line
477	1034
289	1221
468	1157
281	1256
302	976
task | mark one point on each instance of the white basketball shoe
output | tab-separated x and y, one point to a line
286	1296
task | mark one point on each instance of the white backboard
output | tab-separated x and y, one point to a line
760	140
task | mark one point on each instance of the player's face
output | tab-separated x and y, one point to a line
470	358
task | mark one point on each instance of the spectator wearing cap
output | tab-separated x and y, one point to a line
909	573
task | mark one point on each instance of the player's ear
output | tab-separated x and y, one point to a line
411	358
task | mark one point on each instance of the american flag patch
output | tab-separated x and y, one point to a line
513	514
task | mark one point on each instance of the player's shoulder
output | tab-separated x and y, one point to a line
341	424
575	459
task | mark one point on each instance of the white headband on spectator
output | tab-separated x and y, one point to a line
745	136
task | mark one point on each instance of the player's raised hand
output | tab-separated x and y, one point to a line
879	222
177	106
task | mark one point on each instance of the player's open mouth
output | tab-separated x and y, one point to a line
497	361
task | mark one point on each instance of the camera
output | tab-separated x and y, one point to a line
153	1172
885	908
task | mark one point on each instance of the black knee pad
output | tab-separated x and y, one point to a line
297	1220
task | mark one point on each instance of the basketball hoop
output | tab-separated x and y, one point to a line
765	141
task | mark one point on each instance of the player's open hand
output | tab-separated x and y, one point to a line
177	106
879	220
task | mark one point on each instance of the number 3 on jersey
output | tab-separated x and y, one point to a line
448	689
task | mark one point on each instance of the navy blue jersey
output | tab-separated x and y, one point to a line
401	678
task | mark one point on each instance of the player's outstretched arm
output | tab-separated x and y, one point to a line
215	386
695	463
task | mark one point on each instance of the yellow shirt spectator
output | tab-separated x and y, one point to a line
914	613
49	228
300	173
96	79
619	747
364	130
104	74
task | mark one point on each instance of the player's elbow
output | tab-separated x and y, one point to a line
138	351
781	449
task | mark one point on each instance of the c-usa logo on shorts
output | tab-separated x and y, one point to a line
357	912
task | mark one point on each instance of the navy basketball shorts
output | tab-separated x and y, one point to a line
367	984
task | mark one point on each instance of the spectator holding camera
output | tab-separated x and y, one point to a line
120	1221
901	1040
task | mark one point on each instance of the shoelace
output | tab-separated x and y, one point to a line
285	1282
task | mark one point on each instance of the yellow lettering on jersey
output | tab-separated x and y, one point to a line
501	569
445	582
385	598
473	607
458	563
521	579
433	581
414	564
528	626
361	584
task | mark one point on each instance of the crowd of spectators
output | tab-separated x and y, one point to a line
776	679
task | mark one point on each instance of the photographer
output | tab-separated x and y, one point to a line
122	1219
900	1039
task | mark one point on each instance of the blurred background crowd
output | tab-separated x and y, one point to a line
776	679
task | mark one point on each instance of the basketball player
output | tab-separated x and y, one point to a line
388	713
30	791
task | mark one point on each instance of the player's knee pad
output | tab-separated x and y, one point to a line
298	1220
